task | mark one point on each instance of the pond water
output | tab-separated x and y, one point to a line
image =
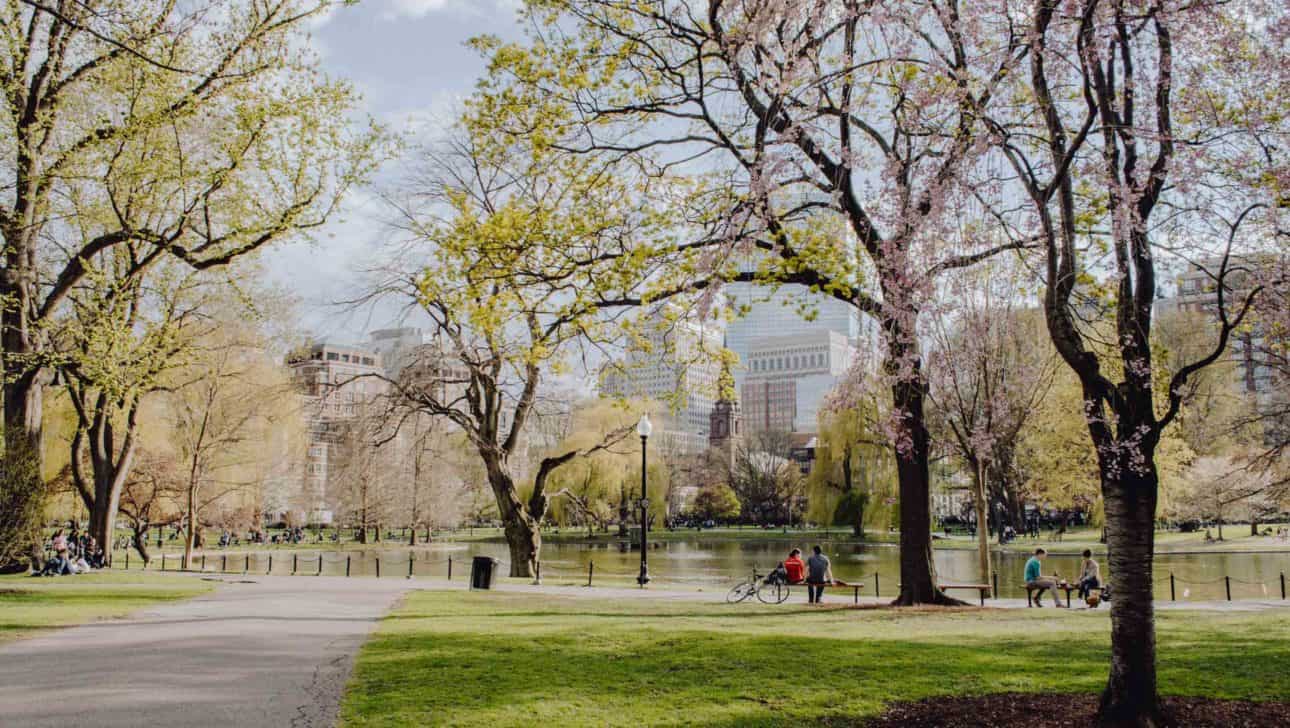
718	563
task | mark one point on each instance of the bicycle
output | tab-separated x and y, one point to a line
767	592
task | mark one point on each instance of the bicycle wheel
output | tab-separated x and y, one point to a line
740	592
772	593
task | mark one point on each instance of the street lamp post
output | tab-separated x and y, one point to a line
643	428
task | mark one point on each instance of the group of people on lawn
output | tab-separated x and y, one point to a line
816	572
75	552
1090	577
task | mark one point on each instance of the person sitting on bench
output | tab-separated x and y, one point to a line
794	567
1090	577
821	575
1036	580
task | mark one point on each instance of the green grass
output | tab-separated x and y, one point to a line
32	604
498	659
1235	538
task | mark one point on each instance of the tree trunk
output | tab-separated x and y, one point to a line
103	525
917	569
141	543
982	537
1130	697
190	532
524	540
22	486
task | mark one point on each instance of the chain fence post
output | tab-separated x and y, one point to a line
1227	580
1173	597
591	570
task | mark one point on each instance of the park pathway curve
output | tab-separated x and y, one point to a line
254	652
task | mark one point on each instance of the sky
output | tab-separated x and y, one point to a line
409	61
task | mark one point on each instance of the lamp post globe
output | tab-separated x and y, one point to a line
644	428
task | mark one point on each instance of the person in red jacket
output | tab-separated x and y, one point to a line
795	567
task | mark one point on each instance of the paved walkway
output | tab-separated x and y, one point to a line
257	651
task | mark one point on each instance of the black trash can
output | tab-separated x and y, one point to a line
481	572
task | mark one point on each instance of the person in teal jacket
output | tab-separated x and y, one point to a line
1036	580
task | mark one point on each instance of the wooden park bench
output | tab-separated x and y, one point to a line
855	587
1068	588
980	588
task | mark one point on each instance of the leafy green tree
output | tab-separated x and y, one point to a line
520	267
196	133
716	502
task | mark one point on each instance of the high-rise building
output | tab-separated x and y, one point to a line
679	370
789	340
1198	293
804	366
398	347
334	391
770	405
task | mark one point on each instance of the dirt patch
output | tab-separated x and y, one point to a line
1006	710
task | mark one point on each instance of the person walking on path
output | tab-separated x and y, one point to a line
1036	580
819	574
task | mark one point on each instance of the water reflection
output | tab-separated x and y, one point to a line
713	563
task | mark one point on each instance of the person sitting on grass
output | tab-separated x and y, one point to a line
820	575
794	567
1036	580
1090	576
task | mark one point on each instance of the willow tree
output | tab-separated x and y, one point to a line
198	132
1138	130
830	136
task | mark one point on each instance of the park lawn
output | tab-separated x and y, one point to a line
507	659
31	604
1235	538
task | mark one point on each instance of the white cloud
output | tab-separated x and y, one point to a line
420	8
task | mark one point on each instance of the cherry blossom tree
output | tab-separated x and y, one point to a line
824	141
1138	130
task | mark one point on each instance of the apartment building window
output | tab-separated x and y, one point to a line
332	356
